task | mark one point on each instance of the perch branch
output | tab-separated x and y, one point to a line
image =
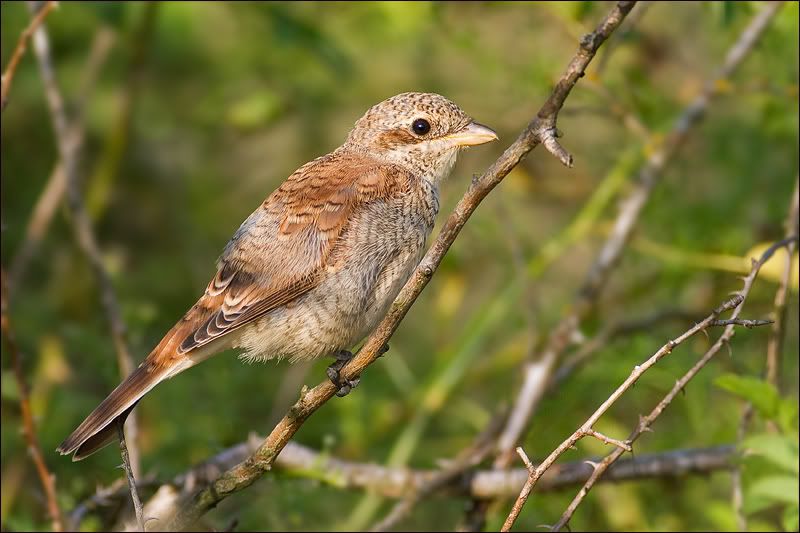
541	130
646	422
28	425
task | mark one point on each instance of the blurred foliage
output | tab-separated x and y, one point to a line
202	109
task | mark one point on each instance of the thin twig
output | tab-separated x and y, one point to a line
68	149
647	421
541	130
50	198
126	466
613	331
587	428
538	373
19	51
28	425
774	349
776	335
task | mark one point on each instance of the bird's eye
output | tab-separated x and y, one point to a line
421	126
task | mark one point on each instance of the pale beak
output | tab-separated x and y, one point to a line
472	135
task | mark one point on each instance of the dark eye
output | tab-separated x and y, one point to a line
421	126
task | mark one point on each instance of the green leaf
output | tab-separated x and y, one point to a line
779	450
761	394
772	490
787	415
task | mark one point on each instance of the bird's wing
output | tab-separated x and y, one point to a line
284	248
278	254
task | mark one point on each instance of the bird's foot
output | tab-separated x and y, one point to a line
345	386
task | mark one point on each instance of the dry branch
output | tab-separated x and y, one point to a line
541	130
68	144
19	51
28	425
538	373
647	421
301	461
774	349
586	430
50	198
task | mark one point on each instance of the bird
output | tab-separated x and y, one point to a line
316	266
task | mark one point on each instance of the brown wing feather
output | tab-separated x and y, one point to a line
315	205
279	253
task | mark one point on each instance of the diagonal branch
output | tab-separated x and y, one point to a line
541	130
68	143
538	373
646	422
19	51
587	429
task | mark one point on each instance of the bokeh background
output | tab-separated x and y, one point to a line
200	110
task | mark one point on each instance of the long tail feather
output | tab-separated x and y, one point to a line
99	428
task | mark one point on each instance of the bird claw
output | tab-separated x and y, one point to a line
345	386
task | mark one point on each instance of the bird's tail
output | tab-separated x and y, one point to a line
100	427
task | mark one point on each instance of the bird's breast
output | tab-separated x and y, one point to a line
378	252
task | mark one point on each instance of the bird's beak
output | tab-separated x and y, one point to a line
472	135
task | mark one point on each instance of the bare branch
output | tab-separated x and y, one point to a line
537	374
737	302
69	152
587	428
28	425
50	198
126	466
402	483
774	349
541	128
19	51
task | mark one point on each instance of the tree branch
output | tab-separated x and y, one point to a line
645	422
538	373
541	130
19	51
587	428
28	425
299	460
68	143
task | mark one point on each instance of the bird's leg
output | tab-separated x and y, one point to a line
342	358
345	386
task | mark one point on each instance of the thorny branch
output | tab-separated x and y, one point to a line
774	350
646	422
538	374
541	130
28	425
586	430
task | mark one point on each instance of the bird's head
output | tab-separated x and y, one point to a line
421	131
